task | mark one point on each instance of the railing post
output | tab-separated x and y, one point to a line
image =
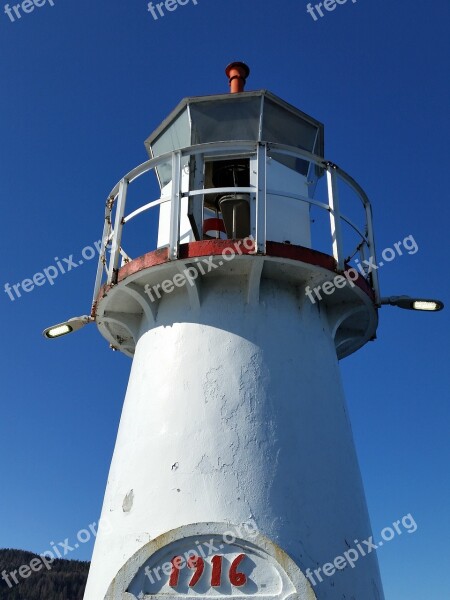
102	252
261	197
175	205
335	217
117	235
371	245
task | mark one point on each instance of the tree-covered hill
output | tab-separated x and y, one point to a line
37	580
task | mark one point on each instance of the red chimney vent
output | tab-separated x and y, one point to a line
237	73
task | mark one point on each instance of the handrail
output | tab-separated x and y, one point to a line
142	209
259	152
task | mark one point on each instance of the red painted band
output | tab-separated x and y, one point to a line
216	247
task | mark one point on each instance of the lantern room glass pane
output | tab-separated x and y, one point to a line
174	137
225	120
282	127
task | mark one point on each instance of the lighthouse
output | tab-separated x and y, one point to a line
234	471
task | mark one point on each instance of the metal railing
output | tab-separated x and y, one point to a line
258	153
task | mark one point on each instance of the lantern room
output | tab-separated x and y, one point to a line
258	117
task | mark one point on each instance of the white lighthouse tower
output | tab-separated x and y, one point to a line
234	471
234	450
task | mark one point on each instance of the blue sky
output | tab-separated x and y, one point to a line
83	84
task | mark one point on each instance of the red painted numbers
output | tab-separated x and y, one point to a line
216	573
175	572
235	577
197	563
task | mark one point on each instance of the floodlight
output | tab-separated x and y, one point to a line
423	304
69	326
